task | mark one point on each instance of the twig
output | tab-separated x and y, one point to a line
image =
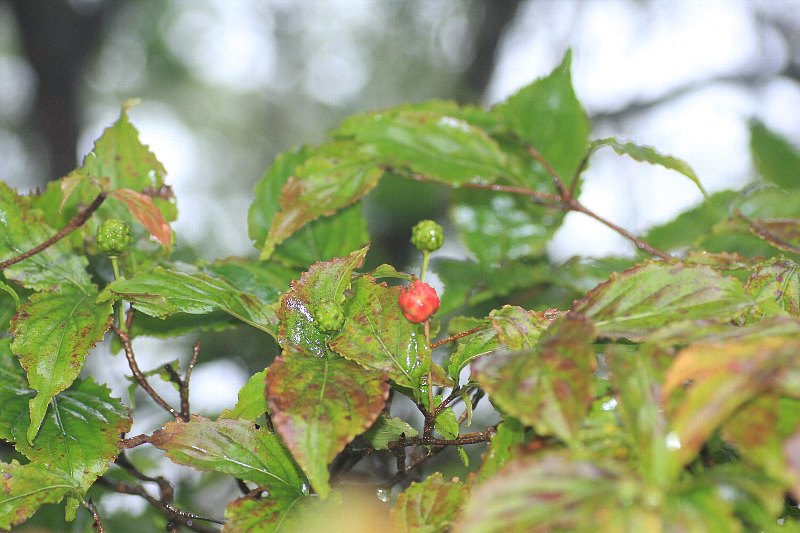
457	336
133	442
76	222
183	383
137	373
97	524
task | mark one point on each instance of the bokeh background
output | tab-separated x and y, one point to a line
228	84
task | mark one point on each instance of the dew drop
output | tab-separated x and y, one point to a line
382	494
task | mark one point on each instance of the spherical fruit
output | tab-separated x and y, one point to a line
427	236
418	302
114	237
329	317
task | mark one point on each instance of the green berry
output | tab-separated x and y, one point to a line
329	317
114	237
427	236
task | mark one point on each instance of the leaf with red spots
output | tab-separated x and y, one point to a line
25	488
550	386
142	207
376	335
642	299
775	285
319	404
53	332
430	505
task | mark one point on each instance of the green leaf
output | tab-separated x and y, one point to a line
266	515
498	228
637	302
233	447
322	285
446	423
21	229
470	348
548	116
648	154
775	285
265	280
442	147
164	292
510	434
549	387
783	234
324	239
252	400
267	192
25	488
53	332
775	157
388	429
335	177
518	328
429	506
692	227
376	335
723	378
686	332
318	405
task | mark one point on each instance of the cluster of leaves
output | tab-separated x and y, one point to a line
664	398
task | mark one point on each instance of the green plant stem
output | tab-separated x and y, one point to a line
424	270
118	305
430	364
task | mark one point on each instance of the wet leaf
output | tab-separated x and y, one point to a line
252	400
648	154
318	405
337	176
164	292
428	506
470	348
723	377
53	332
233	447
548	116
637	302
25	488
548	386
376	335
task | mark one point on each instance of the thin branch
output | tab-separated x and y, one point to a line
456	336
76	222
97	524
133	442
184	390
137	373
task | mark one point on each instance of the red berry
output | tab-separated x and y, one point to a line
418	302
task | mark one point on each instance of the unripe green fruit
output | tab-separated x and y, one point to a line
114	237
329	317
427	236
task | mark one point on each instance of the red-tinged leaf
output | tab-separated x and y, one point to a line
691	331
518	328
267	515
53	332
333	179
549	386
376	335
637	302
723	378
761	430
429	506
142	207
775	285
318	405
233	447
791	453
783	234
25	488
323	285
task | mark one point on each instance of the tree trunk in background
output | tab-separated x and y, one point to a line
59	41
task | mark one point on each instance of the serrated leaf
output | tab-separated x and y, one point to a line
266	515
648	154
266	280
498	228
446	422
783	234
723	378
386	430
145	211
442	147
334	178
25	488
473	346
428	506
686	332
548	116
775	285
376	335
775	157
642	299
233	447
322	285
318	405
53	332
549	386
252	399
21	229
164	292
518	328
